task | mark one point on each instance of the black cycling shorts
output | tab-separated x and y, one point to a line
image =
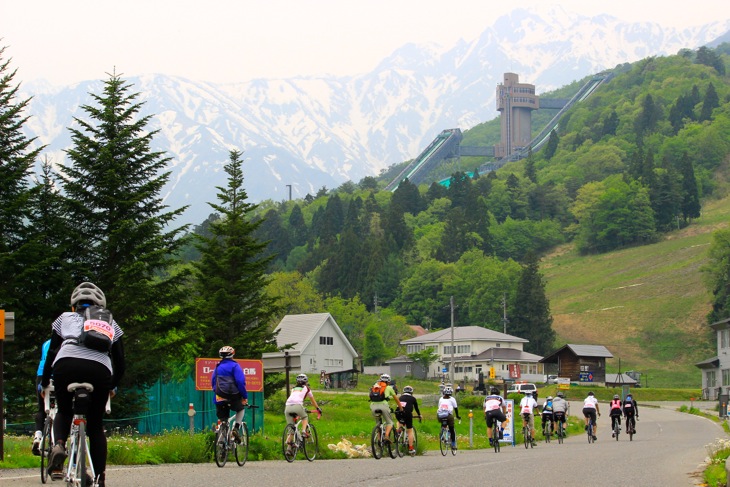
495	414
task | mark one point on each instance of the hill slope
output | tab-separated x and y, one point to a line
647	304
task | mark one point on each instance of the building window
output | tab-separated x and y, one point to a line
726	377
463	348
711	379
326	341
414	348
408	368
725	338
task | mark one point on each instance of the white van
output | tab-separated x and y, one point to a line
521	388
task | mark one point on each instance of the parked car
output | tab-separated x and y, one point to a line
521	388
551	379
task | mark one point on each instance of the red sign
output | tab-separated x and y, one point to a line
514	371
252	369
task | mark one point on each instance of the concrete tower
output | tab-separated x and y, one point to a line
515	102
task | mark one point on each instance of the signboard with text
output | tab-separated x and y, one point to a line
252	369
509	423
514	371
585	376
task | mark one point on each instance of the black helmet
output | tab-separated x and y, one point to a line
590	393
494	391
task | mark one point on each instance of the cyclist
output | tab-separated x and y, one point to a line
229	385
561	407
40	415
615	413
295	402
631	410
494	410
379	406
590	409
71	360
409	404
447	409
527	406
547	414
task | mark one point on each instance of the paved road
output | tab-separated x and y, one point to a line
667	451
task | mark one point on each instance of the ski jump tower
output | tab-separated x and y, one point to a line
515	102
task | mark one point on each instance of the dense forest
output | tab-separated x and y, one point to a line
631	162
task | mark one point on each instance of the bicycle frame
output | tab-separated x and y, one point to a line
48	438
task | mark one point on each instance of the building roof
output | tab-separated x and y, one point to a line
580	351
720	325
299	330
464	333
710	363
420	331
500	354
619	379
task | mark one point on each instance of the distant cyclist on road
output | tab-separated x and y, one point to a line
527	406
547	414
409	404
495	410
615	413
561	408
631	410
447	408
295	401
380	394
229	385
590	410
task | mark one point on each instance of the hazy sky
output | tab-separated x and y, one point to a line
238	40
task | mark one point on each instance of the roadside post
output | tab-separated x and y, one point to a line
471	429
191	414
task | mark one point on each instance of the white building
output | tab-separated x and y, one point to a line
475	350
317	346
716	370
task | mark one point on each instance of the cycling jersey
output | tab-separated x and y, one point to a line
590	402
527	404
493	402
616	407
298	395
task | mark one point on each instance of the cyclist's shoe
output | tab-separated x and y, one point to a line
585	427
56	475
236	436
491	441
55	461
595	438
89	479
534	443
36	448
386	441
101	480
613	435
411	450
453	445
305	435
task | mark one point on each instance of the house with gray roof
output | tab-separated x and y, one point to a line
474	350
311	343
581	363
716	370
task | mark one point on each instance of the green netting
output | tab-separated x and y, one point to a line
168	405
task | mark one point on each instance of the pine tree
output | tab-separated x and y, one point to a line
690	205
229	280
125	238
710	102
532	319
552	145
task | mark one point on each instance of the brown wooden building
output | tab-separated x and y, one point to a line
581	363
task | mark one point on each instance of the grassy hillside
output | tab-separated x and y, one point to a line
646	304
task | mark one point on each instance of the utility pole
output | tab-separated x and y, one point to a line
375	303
504	312
451	369
289	186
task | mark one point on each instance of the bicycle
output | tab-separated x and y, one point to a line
561	432
445	443
234	440
630	426
401	437
379	440
48	439
79	457
591	430
547	427
616	420
526	431
495	435
295	439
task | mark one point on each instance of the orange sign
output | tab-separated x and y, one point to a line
252	369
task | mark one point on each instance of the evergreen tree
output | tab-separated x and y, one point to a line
610	124
230	304
297	227
530	171
125	237
710	102
648	118
271	230
407	196
552	145
690	205
531	318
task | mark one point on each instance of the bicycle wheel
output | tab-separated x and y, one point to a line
240	450
401	441
526	436
46	444
561	432
80	469
616	430
444	444
548	428
311	444
415	441
288	443
391	445
495	438
376	443
221	445
590	432
630	429
453	447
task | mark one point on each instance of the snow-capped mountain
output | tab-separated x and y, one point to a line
315	132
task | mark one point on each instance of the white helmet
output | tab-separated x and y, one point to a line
302	379
448	391
385	378
87	291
